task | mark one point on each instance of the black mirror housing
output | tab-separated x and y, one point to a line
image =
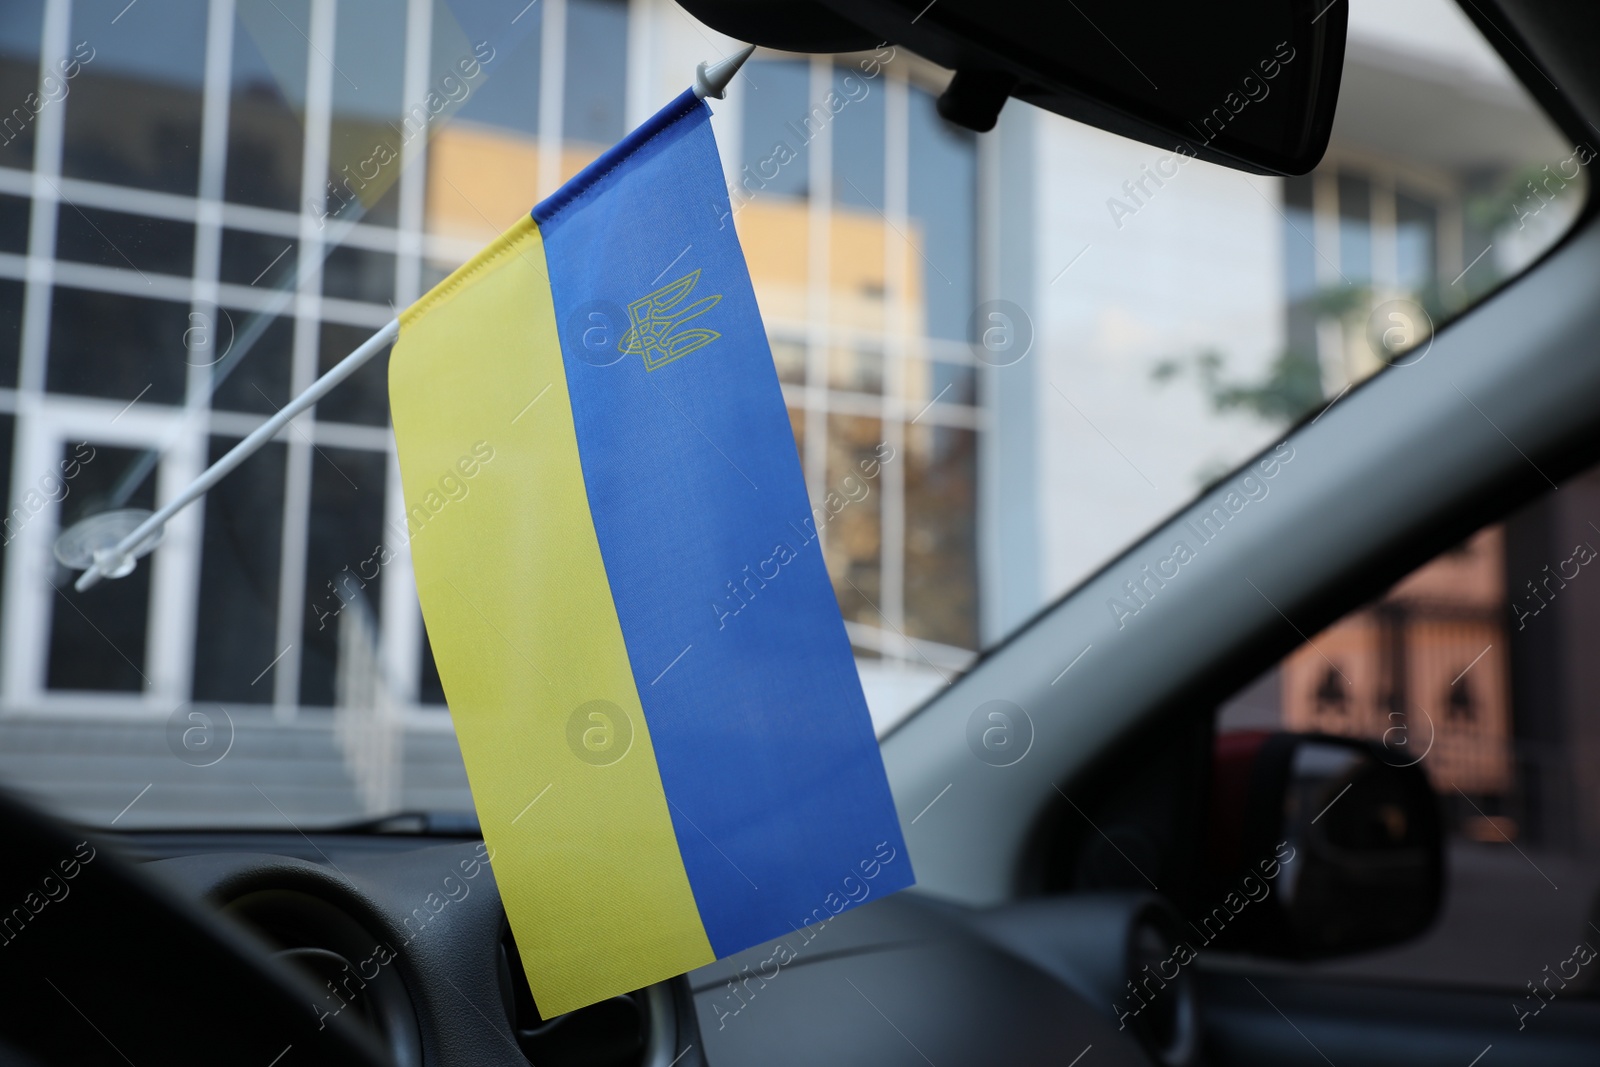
1347	840
1250	85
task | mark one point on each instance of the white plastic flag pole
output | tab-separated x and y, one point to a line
118	559
710	79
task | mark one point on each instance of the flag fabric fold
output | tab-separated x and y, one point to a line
623	587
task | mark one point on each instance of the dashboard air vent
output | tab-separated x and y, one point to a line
636	1029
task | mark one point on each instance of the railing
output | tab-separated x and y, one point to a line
367	725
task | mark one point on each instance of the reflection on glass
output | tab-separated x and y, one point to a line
797	423
237	616
434	272
930	381
106	344
1300	265
858	139
347	489
486	167
597	47
1299	236
1355	229
854	532
883	294
359	274
430	688
259	384
19	75
134	116
790	359
363	164
8	425
775	134
1416	243
941	534
943	202
856	368
82	625
858	285
11	293
265	261
364	396
129	242
776	240
267	106
874	276
507	96
14	221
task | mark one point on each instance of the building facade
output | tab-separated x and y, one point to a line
206	203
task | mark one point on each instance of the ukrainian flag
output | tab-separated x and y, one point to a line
656	701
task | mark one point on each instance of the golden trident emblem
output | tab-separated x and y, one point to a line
658	332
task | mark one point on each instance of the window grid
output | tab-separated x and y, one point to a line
1384	185
903	344
174	601
175	597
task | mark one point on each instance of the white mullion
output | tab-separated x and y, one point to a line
640	77
25	616
292	559
307	330
175	567
413	157
892	645
1325	225
1383	224
171	287
991	568
960	416
897	201
401	633
28	596
1325	240
213	166
552	90
101	422
49	134
918	345
400	625
40	442
176	288
263	220
819	215
1450	240
327	434
175	578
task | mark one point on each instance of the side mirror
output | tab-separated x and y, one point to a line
1333	845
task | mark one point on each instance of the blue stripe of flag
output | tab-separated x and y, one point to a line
765	746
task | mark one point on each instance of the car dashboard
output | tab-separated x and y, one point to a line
405	937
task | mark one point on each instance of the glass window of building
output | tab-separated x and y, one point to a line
857	207
1003	355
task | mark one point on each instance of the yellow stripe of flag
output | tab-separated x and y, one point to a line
509	571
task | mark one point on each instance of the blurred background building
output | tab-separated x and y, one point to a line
206	203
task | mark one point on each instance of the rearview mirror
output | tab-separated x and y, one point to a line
1345	840
1251	84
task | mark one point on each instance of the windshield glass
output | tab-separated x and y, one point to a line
1004	355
